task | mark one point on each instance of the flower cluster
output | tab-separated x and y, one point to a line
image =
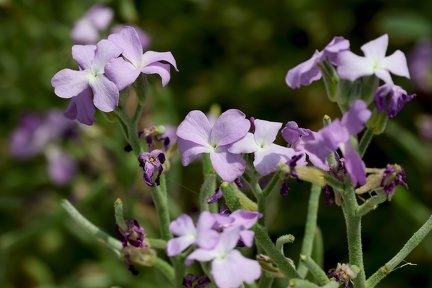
102	73
215	237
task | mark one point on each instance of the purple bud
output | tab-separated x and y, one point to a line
391	98
134	235
393	175
215	197
149	162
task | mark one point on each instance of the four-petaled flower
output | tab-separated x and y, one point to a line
125	72
88	87
267	155
196	136
352	67
150	161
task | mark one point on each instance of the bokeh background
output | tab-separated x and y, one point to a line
231	53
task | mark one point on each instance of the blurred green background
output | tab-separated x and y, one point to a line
235	54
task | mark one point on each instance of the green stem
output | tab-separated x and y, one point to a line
315	269
161	204
157	243
390	266
206	164
365	141
318	248
109	241
300	283
277	257
166	269
334	183
272	184
131	130
372	203
208	189
353	223
265	281
311	225
256	190
282	240
231	199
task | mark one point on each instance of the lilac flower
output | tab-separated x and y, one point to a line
267	155
338	134
343	274
150	161
134	235
143	36
229	267
391	98
307	72
392	176
123	73
297	137
89	86
196	136
86	29
202	235
352	67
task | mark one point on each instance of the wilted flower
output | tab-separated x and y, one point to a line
150	161
391	98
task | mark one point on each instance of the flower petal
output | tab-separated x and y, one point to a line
195	128
106	94
266	131
267	159
231	126
190	150
150	57
100	15
245	145
105	52
355	118
376	49
177	245
227	165
304	73
158	68
121	72
81	108
397	64
129	41
351	67
68	83
234	269
83	55
354	164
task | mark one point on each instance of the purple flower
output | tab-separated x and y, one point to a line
267	155
307	72
391	98
392	176
215	197
86	29
125	72
202	235
196	136
89	86
143	36
134	235
150	161
352	67
297	137
338	134
229	267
